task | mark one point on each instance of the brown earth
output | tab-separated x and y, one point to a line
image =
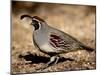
76	20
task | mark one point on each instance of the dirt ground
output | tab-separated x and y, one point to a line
76	20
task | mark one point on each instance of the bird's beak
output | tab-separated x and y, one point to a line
31	24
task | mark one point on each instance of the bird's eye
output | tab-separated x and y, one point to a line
34	22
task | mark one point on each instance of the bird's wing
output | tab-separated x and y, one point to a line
59	43
63	41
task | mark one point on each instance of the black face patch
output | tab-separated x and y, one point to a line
35	24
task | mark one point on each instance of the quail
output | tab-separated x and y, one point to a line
52	41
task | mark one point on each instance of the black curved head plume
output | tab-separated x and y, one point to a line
34	17
23	16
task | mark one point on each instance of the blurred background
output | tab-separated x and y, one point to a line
76	20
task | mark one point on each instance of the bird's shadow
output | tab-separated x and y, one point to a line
41	59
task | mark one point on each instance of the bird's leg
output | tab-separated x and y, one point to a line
56	60
53	60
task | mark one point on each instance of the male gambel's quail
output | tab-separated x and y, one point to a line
53	41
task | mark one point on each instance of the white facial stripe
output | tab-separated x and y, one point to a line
36	19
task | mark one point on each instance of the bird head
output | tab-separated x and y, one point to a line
36	21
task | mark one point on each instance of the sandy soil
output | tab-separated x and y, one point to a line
76	20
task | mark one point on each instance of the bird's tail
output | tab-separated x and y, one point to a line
88	48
